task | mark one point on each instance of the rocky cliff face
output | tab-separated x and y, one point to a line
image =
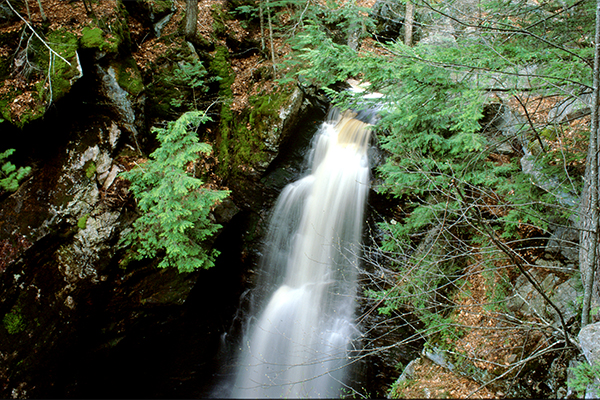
69	308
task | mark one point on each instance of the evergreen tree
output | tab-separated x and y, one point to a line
175	206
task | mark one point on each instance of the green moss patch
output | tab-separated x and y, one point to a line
220	16
13	321
108	35
82	222
161	7
129	76
168	94
94	38
51	75
90	169
241	143
63	75
240	146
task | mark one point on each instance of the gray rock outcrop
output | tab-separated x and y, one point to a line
589	339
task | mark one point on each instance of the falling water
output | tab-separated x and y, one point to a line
298	344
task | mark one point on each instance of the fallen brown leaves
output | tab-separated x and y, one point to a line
491	342
557	137
244	85
430	381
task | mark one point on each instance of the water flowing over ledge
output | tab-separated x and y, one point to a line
303	319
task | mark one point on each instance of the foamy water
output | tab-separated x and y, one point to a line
298	344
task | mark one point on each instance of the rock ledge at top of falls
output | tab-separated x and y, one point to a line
280	129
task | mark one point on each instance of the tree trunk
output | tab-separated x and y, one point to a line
408	23
191	19
271	39
262	24
588	239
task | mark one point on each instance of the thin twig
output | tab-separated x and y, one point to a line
535	132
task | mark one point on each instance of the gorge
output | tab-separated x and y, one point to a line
416	255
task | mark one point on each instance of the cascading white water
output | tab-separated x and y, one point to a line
298	344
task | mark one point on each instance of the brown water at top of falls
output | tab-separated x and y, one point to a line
298	342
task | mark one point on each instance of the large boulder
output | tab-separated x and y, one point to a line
563	294
589	339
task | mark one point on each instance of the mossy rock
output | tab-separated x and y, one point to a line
220	16
249	133
95	38
129	76
63	74
221	67
108	35
120	28
20	106
242	144
168	94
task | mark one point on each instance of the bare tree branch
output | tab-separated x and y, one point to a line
36	34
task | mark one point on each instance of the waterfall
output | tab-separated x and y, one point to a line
303	321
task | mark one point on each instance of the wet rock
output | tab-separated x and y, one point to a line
386	345
62	227
225	211
76	260
279	130
120	100
152	287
